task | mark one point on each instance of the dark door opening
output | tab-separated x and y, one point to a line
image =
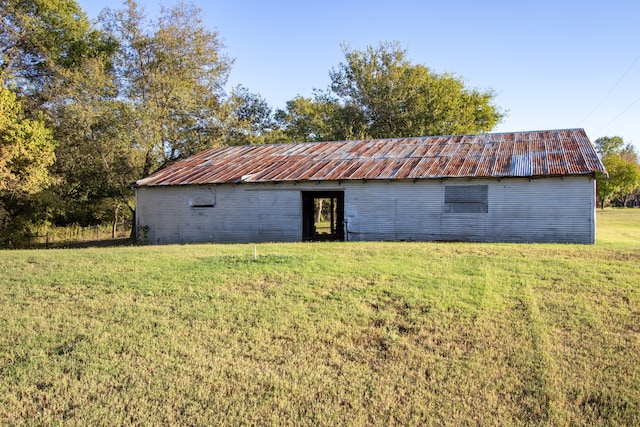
322	215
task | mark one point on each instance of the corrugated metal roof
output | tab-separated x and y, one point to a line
514	154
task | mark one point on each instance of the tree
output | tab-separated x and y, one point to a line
399	99
607	145
621	163
172	79
26	150
38	38
95	159
379	93
321	118
251	120
46	46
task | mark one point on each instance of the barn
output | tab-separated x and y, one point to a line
536	186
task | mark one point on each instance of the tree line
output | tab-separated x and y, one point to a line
621	185
87	108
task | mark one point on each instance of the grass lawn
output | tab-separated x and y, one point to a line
325	333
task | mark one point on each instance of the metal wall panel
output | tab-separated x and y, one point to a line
519	210
240	215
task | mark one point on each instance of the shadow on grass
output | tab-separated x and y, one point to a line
101	243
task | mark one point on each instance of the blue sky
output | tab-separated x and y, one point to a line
554	64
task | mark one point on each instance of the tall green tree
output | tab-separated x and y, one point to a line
38	38
26	151
44	47
26	148
380	93
251	120
171	73
321	118
623	171
95	159
608	145
399	99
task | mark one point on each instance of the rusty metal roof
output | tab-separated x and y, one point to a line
513	154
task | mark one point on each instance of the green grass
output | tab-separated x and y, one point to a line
619	227
325	333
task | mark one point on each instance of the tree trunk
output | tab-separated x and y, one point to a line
318	210
134	233
114	225
134	227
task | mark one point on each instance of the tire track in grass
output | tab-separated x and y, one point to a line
540	373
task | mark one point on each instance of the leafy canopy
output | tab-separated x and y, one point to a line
251	120
621	163
40	37
26	151
379	93
171	73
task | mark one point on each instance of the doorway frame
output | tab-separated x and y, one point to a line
309	232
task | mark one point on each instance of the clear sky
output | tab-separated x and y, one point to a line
553	63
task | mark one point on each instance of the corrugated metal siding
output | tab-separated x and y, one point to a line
239	215
519	210
549	210
518	154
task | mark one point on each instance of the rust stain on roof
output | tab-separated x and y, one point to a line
498	155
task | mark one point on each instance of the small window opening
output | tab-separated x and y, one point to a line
203	198
466	199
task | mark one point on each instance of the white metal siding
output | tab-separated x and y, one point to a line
543	210
519	210
240	214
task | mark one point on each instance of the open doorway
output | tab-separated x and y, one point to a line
322	215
